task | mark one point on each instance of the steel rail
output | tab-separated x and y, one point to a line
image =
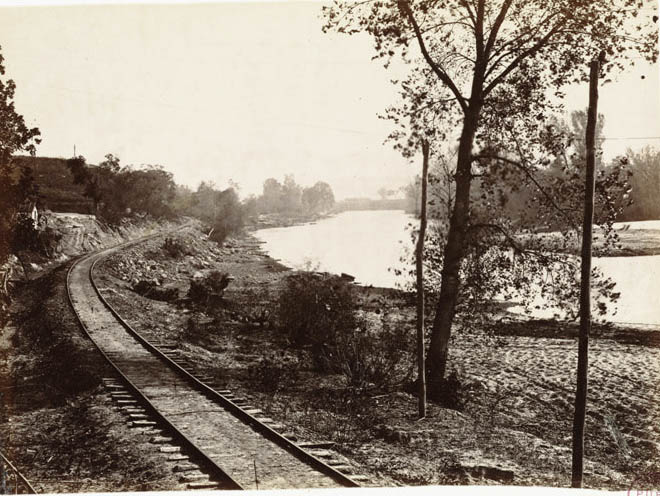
211	393
31	489
216	472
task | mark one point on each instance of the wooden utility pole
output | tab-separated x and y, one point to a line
585	279
421	364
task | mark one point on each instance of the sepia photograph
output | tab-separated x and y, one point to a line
330	244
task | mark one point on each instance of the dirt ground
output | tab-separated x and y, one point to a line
514	427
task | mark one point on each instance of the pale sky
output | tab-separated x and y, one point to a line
241	91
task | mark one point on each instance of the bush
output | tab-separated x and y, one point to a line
209	289
378	356
318	312
272	374
175	248
260	310
314	310
345	415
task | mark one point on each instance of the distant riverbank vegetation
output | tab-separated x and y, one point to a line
638	202
114	193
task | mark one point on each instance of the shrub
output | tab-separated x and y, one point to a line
209	290
375	355
260	309
344	415
272	374
193	327
314	309
175	248
318	312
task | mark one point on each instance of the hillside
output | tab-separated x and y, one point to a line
56	188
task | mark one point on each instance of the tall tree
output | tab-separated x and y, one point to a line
16	186
119	191
494	63
318	198
292	194
272	196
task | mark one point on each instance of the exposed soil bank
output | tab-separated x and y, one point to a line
515	426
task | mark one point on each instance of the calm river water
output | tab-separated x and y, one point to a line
369	244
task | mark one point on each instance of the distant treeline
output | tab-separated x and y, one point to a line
372	204
642	200
645	181
288	197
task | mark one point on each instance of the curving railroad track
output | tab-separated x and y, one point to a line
211	428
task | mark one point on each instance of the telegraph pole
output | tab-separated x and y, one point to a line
421	364
585	279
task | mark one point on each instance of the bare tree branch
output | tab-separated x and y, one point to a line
404	7
516	62
492	37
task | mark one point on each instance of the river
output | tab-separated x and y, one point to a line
369	244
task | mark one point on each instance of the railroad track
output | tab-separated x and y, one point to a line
204	428
12	481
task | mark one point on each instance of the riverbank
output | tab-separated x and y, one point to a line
267	221
514	427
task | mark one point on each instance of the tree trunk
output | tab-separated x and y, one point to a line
453	255
585	283
421	367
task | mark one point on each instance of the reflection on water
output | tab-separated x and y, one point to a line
366	244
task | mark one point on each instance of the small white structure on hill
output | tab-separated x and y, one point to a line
29	210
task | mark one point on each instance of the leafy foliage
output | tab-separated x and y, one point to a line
315	310
375	355
645	183
273	374
175	248
473	57
524	232
221	210
318	313
16	186
117	192
318	198
291	198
